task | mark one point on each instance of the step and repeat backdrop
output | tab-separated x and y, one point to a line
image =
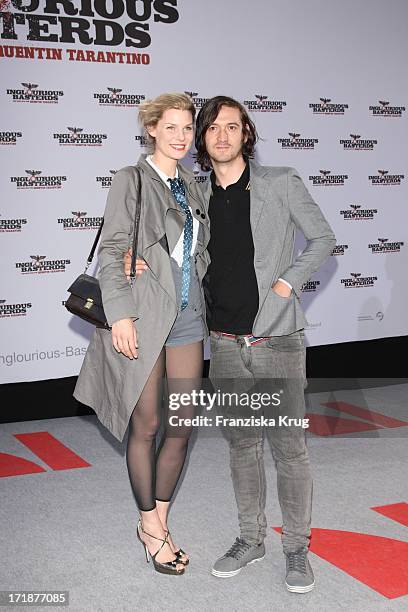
324	82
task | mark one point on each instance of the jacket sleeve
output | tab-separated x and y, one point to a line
116	236
310	220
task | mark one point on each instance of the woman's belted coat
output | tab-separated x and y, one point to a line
108	381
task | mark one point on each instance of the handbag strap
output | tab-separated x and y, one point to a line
92	253
135	232
136	226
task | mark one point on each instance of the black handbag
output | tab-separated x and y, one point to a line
85	300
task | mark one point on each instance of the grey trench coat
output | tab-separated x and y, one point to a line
108	381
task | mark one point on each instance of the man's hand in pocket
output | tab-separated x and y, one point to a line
282	289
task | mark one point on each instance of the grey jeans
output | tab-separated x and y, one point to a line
277	363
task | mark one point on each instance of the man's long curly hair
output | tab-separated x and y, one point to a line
208	115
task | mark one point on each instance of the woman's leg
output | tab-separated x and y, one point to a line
184	367
141	458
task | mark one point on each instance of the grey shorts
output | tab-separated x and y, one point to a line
189	324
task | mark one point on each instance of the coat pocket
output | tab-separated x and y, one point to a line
279	316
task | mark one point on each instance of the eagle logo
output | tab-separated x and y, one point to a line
382	240
355	137
382	172
29	87
260	98
325	172
294	136
383	103
355	274
196	167
355	206
37	260
75	132
78	216
33	175
2	301
192	94
114	92
325	102
113	172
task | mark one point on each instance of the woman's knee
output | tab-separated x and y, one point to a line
144	427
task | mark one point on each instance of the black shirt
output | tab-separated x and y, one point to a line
232	284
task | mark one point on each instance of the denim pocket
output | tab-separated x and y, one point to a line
290	342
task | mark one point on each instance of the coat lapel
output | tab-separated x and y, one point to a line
198	208
164	218
258	193
158	202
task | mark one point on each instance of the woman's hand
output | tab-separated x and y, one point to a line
124	338
141	265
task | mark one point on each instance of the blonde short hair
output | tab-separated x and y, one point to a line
151	111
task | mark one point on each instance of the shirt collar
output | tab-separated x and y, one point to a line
162	174
241	184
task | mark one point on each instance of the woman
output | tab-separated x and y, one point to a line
158	324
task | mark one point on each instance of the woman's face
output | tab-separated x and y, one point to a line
173	134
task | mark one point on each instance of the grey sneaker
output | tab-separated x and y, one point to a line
237	557
299	574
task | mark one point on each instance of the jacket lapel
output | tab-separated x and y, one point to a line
258	193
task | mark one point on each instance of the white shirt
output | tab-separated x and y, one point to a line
177	252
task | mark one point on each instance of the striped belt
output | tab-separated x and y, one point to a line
247	339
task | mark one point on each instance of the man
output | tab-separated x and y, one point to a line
256	322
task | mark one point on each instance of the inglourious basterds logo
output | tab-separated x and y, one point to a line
357	213
339	249
116	97
9	138
261	104
327	179
199	175
88	22
76	137
39	264
311	285
383	109
33	95
385	178
33	179
355	281
385	246
356	143
295	142
327	107
13	310
12	225
106	181
197	100
141	140
79	221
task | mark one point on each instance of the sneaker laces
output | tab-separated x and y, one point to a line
297	561
238	548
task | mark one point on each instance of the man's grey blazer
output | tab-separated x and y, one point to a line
280	204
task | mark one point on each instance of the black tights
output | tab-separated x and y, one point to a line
154	475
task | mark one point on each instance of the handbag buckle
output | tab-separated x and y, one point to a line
89	303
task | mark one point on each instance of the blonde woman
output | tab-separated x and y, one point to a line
158	324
